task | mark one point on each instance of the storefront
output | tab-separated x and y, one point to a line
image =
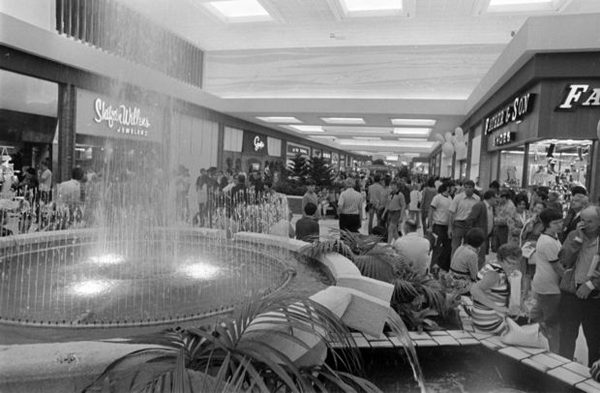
117	137
543	133
293	149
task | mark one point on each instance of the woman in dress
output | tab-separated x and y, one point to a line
491	292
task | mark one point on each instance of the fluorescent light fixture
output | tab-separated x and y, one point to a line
387	144
238	10
304	128
322	137
278	119
516	6
371	5
412	139
367	138
343	120
391	158
414	122
496	3
416	131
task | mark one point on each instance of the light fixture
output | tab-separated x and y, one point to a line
412	131
343	120
278	119
412	139
238	10
500	3
517	6
413	122
367	138
303	128
388	144
371	5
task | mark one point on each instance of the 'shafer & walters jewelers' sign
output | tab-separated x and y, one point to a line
115	118
579	95
514	111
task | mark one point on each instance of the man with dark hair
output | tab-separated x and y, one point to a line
415	247
578	203
307	229
482	217
310	196
437	224
377	199
460	208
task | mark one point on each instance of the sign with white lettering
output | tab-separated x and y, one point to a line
327	155
110	117
293	149
579	95
504	138
254	143
515	111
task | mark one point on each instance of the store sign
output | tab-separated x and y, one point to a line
121	118
504	138
254	143
579	95
515	111
293	149
327	155
114	118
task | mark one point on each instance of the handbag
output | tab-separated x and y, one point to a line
567	282
525	336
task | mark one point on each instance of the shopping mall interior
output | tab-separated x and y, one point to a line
175	178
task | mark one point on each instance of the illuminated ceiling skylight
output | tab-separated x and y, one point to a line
413	122
279	119
238	10
412	131
303	128
371	5
508	6
343	120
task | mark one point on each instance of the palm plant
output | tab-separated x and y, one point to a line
241	354
415	297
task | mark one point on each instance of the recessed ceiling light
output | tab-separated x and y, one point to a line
367	138
343	120
413	122
238	10
371	5
411	131
278	119
304	128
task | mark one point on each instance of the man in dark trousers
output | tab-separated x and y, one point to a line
482	217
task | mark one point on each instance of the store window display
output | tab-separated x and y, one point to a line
559	164
511	168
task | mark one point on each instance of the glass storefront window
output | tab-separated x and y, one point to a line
511	167
559	163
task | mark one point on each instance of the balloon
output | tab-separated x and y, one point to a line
461	151
440	138
459	132
447	149
459	138
448	136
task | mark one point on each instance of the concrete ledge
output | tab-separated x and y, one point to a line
286	243
379	289
339	265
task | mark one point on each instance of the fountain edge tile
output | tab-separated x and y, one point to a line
566	375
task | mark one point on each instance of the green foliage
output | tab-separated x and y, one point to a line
240	355
320	172
299	168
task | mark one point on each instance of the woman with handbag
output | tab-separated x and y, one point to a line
491	292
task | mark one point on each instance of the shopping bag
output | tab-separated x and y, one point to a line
525	336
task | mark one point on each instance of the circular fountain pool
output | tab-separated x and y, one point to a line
89	278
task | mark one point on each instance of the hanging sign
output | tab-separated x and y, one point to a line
254	143
515	111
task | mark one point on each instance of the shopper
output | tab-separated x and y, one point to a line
378	196
547	276
460	208
437	221
580	286
310	196
482	217
503	214
307	227
394	212
45	182
350	207
465	264
415	247
578	203
427	194
491	292
414	207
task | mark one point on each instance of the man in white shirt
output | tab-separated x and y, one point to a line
45	182
377	199
69	192
439	216
415	247
350	207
